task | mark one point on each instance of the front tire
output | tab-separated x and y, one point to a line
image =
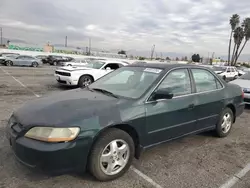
85	80
9	63
224	78
225	123
111	155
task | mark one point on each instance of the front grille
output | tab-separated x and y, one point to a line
62	81
63	73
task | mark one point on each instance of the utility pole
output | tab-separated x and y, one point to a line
1	31
89	45
152	52
66	41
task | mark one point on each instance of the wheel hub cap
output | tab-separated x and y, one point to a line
226	123
114	157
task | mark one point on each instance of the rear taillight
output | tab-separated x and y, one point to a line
242	94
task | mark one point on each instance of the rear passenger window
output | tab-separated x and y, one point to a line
205	80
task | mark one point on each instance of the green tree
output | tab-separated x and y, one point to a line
196	58
234	22
238	37
246	30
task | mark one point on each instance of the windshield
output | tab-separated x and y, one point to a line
94	64
245	76
219	68
129	82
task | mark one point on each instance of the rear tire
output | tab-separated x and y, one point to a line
55	63
111	155
85	80
225	123
34	64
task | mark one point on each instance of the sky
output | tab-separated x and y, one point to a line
183	26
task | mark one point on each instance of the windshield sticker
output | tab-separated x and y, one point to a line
153	70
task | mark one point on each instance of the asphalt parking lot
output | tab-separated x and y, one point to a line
196	161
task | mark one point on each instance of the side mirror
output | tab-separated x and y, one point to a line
162	94
108	68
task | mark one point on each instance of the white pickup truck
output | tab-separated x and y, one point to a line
85	75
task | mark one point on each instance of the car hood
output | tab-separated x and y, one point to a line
75	68
242	83
67	108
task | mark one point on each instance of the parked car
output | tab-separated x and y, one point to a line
23	60
43	58
87	74
54	59
226	72
244	83
4	55
102	127
76	62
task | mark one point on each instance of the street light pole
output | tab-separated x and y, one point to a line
1	31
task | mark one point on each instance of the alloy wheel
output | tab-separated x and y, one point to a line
86	82
226	123
114	157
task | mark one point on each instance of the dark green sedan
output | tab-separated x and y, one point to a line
102	127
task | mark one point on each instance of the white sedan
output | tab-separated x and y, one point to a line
85	75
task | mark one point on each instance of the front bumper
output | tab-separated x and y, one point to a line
66	80
247	98
50	157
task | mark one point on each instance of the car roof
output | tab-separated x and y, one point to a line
112	61
165	66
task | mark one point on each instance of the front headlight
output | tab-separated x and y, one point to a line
50	134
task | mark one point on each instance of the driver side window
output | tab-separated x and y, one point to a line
177	82
112	66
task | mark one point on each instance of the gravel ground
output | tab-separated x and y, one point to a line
196	161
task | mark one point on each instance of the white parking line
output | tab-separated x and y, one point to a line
7	73
145	177
236	177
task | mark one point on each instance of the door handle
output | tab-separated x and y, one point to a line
191	106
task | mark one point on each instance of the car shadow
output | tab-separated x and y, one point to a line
34	175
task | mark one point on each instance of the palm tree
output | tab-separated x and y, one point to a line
234	22
246	28
238	37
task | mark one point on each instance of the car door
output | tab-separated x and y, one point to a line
229	73
28	60
209	98
19	60
171	118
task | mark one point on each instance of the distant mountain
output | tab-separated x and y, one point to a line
13	40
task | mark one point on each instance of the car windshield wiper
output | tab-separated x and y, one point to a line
104	92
